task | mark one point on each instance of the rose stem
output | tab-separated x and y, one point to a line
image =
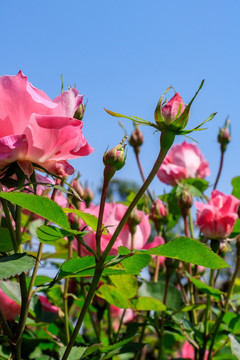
166	142
142	174
219	170
229	294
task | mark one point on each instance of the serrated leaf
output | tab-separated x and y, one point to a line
235	346
236	186
89	219
47	233
206	289
156	291
15	265
5	240
236	229
39	205
114	296
198	183
189	250
134	264
40	280
127	284
116	345
75	353
145	303
73	266
12	290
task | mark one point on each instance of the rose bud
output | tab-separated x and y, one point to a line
169	115
224	135
114	159
185	202
134	220
80	112
136	139
158	213
87	195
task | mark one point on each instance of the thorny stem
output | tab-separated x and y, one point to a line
142	174
166	142
191	288
215	328
219	170
24	310
65	295
100	216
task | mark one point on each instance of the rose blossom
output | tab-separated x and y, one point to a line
113	213
189	353
46	305
35	129
183	161
9	308
217	218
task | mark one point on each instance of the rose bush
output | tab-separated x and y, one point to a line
217	218
35	129
183	161
113	213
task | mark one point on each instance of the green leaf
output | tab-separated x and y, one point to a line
74	266
189	250
5	240
15	265
198	183
235	346
40	280
39	205
156	291
236	186
145	303
127	284
89	219
117	345
136	263
114	296
236	229
48	234
206	289
12	290
75	354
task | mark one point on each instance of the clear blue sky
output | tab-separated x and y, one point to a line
123	55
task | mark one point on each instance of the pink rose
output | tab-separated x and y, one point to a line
183	161
217	218
9	308
46	305
173	109
116	314
113	213
189	353
35	129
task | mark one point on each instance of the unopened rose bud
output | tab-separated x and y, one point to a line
169	115
224	135
87	195
80	112
114	159
185	202
136	139
77	187
158	213
134	220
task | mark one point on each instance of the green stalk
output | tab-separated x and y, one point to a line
24	310
100	215
166	142
215	328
